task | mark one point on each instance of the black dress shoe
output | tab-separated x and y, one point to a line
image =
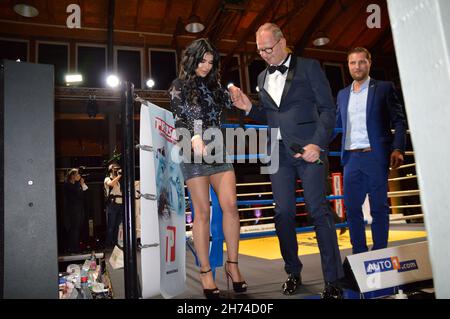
332	291
291	284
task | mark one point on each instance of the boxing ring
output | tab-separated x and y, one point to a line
247	207
256	207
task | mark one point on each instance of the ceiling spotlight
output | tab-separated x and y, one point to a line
26	10
112	81
321	39
150	83
194	24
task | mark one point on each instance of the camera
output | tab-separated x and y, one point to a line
82	172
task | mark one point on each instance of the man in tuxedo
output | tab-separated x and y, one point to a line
366	110
295	99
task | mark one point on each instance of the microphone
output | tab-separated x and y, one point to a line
296	148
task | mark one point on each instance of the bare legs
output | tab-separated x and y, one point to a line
199	191
224	185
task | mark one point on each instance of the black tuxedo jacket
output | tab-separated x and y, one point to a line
307	112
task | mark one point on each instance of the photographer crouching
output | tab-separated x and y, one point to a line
114	204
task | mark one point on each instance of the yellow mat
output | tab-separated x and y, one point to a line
268	247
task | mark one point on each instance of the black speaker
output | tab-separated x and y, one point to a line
28	241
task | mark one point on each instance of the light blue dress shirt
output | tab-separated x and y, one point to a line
356	134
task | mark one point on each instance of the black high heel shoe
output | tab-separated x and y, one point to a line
210	293
238	287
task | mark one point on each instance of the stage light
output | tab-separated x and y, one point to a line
73	79
150	83
112	81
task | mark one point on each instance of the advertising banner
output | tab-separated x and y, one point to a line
391	267
163	226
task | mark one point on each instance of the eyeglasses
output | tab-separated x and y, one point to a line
267	50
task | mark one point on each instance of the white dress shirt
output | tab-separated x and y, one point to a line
274	85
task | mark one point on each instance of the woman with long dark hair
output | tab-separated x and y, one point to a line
197	101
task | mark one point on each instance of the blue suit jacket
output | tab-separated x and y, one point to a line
307	112
384	112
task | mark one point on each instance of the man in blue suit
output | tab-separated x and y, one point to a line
295	99
366	111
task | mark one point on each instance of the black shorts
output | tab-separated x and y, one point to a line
191	170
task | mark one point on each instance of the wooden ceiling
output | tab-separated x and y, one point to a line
231	24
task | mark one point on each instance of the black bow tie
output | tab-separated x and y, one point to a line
282	68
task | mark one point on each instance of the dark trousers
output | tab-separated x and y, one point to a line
363	174
73	225
74	233
313	181
114	213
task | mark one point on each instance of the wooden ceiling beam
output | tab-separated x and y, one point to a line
226	18
242	12
51	10
384	37
110	43
344	8
166	14
356	39
293	13
179	28
276	10
260	18
138	14
212	22
195	5
217	8
312	27
360	5
288	18
358	42
82	5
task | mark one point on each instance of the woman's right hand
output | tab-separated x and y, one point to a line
198	146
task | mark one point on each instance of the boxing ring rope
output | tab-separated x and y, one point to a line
130	259
407	166
217	237
402	178
269	203
300	200
415	192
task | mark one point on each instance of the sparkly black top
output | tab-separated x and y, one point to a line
206	113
